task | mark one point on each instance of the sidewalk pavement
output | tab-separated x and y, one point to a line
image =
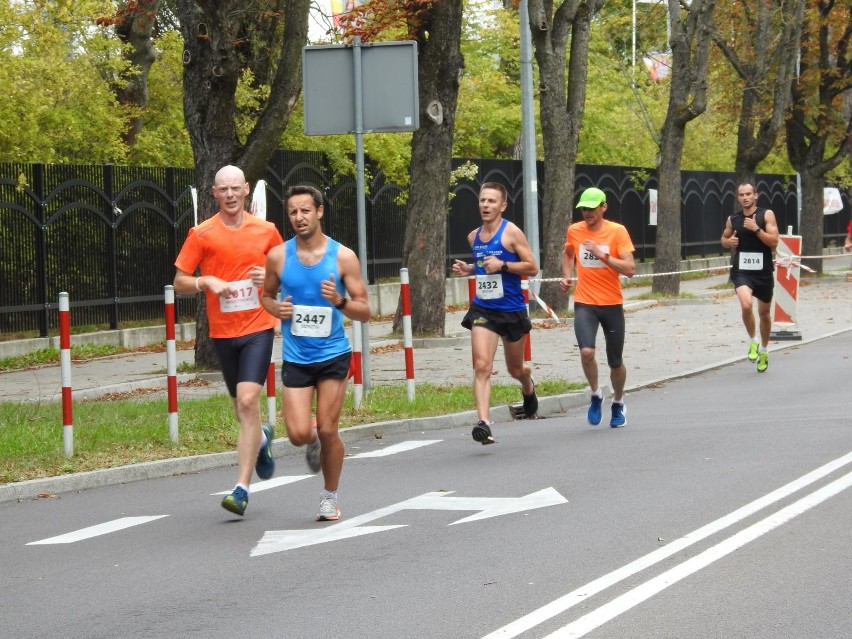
665	340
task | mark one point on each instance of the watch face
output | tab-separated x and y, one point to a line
505	267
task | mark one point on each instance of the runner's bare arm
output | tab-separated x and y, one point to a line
769	235
357	307
526	264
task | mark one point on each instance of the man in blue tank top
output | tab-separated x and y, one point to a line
307	280
752	235
501	255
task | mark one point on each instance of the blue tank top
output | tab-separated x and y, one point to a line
489	285
315	333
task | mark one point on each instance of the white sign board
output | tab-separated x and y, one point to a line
831	202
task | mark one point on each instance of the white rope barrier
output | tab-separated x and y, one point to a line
785	260
782	259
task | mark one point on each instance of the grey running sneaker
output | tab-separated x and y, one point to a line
312	456
328	510
482	433
265	464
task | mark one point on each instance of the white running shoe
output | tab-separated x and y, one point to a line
328	510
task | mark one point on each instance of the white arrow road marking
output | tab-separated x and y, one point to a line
95	531
281	540
275	482
396	448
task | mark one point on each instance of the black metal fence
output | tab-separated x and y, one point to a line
108	235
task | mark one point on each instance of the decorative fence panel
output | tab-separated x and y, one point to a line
108	235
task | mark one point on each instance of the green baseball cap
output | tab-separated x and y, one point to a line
591	199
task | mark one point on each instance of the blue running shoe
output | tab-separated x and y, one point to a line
236	502
618	419
265	465
594	415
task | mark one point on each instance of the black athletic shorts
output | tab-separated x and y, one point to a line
245	359
306	375
588	317
511	325
761	284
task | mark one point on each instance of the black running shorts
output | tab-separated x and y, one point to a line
244	359
761	284
511	325
307	375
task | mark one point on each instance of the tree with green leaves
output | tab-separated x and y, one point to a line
819	129
561	104
224	42
436	26
761	41
691	32
55	105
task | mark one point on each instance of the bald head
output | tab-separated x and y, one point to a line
229	174
230	190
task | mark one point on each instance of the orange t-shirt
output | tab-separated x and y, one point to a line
597	283
230	253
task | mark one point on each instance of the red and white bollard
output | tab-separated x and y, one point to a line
171	363
65	368
785	299
355	366
407	342
271	410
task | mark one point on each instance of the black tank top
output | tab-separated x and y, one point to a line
751	251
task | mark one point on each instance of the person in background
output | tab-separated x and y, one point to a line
752	235
601	251
501	255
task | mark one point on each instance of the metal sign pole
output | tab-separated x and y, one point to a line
360	191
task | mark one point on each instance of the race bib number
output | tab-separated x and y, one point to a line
489	287
751	261
244	297
590	261
311	321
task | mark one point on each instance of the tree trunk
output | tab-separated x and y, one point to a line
560	121
425	247
812	217
819	135
690	43
667	258
215	56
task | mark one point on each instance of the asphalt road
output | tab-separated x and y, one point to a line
721	510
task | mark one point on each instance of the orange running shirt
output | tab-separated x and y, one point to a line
597	283
229	254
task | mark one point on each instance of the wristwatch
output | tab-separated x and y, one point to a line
504	268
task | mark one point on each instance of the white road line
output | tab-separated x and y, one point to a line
95	531
396	448
637	595
565	602
275	482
